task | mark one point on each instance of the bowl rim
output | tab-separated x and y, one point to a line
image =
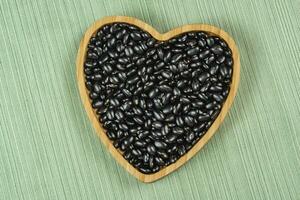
81	55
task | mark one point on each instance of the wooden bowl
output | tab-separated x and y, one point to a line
159	36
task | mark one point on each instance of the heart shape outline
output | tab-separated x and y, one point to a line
211	30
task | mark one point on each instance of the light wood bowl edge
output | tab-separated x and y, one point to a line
159	36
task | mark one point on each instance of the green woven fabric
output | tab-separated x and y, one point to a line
49	150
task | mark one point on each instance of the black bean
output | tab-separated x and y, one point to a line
120	34
220	59
127	155
138	120
181	83
204	54
138	49
151	149
123	127
113	28
203	77
176	108
140	61
126	92
97	104
89	85
202	43
218	97
229	72
186	108
179	121
203	96
97	88
151	163
205	87
129	140
167	56
157	125
140	143
137	111
160	54
169	118
142	104
93	95
223	70
136	152
123	60
128	51
157	103
165	88
216	88
217	49
176	58
229	61
181	150
210	41
193	51
143	134
210	60
195	85
158	115
193	113
162	154
215	114
210	106
107	68
165	130
159	161
126	106
88	71
119	115
189	120
145	35
166	74
167	109
160	145
203	118
111	42
136	36
92	55
185	100
179	45
160	65
146	158
178	130
170	138
190	137
195	65
110	115
90	64
182	66
213	70
155	135
114	80
176	92
173	68
165	99
145	170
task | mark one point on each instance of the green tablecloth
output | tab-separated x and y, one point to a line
49	150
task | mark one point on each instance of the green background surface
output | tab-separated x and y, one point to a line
49	150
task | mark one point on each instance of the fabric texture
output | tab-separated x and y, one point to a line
49	150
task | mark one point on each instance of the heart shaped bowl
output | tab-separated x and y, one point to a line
211	30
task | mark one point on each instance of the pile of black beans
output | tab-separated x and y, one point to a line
156	99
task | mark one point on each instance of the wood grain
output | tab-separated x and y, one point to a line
162	37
